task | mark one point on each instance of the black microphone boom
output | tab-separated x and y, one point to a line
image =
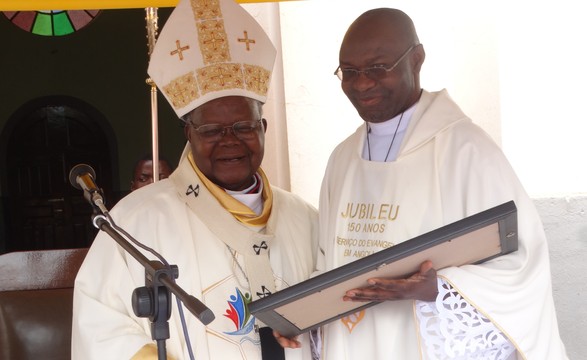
158	274
82	177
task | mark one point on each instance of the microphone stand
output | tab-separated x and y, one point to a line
153	300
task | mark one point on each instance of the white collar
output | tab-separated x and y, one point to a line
253	201
389	127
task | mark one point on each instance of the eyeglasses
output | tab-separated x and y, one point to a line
243	130
376	72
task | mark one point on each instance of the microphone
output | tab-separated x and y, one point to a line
82	177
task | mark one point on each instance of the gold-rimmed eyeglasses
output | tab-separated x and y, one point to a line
376	72
243	130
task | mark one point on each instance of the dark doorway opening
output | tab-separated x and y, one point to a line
42	141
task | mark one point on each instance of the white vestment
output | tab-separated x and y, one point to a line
447	169
168	217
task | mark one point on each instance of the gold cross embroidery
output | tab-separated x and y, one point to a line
246	40
179	50
216	40
221	77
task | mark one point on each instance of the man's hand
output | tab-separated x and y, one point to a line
420	286
285	342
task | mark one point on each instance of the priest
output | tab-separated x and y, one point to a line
422	163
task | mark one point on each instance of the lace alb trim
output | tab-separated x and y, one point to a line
451	328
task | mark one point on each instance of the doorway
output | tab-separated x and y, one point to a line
42	141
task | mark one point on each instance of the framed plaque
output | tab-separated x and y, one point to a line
318	301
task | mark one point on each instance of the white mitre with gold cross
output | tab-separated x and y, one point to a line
209	49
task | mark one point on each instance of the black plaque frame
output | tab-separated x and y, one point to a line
317	301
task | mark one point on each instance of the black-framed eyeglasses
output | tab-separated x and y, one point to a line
243	130
376	72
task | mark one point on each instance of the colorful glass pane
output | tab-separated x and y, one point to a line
42	25
52	22
61	24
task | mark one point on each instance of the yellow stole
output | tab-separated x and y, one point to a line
240	211
149	352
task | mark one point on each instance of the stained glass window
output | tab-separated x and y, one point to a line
51	22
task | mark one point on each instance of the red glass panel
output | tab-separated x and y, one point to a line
79	18
24	19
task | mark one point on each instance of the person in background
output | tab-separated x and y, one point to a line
421	163
234	237
143	171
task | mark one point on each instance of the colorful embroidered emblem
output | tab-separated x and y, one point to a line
238	312
353	320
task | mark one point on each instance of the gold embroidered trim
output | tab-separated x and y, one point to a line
206	9
213	41
219	73
182	90
220	77
257	79
352	320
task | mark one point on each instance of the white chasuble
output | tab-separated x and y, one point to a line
368	213
180	219
447	169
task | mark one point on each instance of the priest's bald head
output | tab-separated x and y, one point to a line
379	64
